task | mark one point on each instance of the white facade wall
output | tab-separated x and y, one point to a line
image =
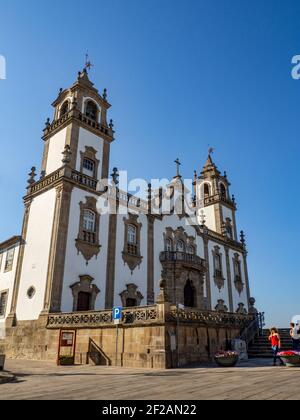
7	279
123	275
36	256
88	139
56	148
75	264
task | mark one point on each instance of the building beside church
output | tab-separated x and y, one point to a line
86	246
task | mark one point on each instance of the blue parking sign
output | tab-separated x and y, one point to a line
117	313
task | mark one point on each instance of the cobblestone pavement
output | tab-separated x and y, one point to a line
254	380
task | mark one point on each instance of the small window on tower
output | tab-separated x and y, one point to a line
223	191
131	236
206	190
64	109
91	111
88	167
180	246
169	245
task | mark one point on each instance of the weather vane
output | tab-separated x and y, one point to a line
88	64
210	150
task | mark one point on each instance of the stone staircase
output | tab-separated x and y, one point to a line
261	347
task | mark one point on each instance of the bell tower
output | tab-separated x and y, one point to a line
80	118
61	221
213	202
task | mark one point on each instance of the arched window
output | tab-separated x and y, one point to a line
180	246
223	191
169	246
89	219
131	235
64	109
191	250
189	295
88	167
91	110
206	190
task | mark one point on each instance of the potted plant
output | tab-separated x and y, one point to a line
290	358
226	358
2	361
66	360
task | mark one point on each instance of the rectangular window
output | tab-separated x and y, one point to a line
3	303
9	260
88	167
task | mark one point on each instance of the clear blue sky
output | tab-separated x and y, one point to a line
180	75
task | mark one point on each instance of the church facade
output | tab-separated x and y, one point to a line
88	246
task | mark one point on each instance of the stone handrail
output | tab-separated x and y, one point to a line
210	318
94	319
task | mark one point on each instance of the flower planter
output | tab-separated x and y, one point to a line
66	361
227	361
290	360
2	361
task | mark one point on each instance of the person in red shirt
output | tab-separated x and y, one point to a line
274	338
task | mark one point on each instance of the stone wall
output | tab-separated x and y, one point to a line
141	344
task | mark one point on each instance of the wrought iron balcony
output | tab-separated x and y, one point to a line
182	257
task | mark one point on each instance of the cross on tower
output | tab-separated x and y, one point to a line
115	176
178	164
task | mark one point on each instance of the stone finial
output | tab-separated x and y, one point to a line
43	174
115	176
252	309
162	297
32	176
243	238
60	91
66	155
111	125
104	95
202	219
225	175
47	123
195	176
233	199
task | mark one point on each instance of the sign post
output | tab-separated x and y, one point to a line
117	317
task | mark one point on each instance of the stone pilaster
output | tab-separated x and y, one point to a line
245	254
150	260
111	258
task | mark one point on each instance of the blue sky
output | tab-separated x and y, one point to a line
180	75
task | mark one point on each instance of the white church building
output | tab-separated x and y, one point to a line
85	246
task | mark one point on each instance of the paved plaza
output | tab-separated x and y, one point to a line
253	380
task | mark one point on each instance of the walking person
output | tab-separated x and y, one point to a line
294	333
274	338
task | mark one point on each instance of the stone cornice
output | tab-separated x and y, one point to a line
63	174
75	116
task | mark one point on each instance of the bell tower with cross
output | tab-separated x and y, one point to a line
214	206
61	222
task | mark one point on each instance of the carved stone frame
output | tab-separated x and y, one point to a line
90	153
133	260
88	249
84	285
219	279
238	282
131	292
